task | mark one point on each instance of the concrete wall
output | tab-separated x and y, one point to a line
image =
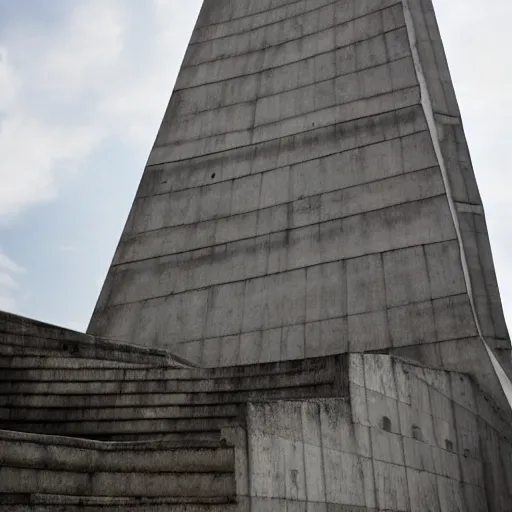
309	192
408	439
23	340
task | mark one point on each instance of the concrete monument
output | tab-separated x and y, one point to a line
310	192
302	314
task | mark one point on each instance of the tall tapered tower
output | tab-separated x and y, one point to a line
308	227
310	192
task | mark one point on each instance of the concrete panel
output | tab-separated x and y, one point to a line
368	331
391	486
406	276
412	324
453	317
326	291
365	284
423	491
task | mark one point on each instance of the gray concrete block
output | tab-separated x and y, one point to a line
292	342
446	278
313	464
418	455
225	311
475	499
371	52
391	486
412	324
378	372
356	369
462	391
275	300
406	276
397	44
450	494
417	424
245	194
368	331
365	284
359	405
467	433
343	468
453	317
326	291
270	345
336	426
380	406
423	491
250	347
275	188
387	447
229	350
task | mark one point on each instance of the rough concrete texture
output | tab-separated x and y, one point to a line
409	438
309	202
26	343
310	192
390	436
184	405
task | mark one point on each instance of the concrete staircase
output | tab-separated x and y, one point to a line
27	343
127	404
94	425
43	473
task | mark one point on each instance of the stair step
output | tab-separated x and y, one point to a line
61	503
82	370
165	399
91	428
122	484
8	349
23	414
180	438
21	364
41	452
287	380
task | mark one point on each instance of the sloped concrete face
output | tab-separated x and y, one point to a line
310	192
407	438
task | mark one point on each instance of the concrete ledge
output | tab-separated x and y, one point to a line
28	414
52	440
116	484
162	399
25	333
87	458
61	499
44	362
88	372
87	429
121	386
62	503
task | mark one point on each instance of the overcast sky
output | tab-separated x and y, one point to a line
83	87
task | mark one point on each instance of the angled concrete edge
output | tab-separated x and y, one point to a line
27	333
440	111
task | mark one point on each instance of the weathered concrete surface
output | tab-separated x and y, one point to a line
113	472
183	405
409	438
310	192
396	437
27	343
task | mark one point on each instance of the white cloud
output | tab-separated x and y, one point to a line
69	248
85	51
9	272
68	88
